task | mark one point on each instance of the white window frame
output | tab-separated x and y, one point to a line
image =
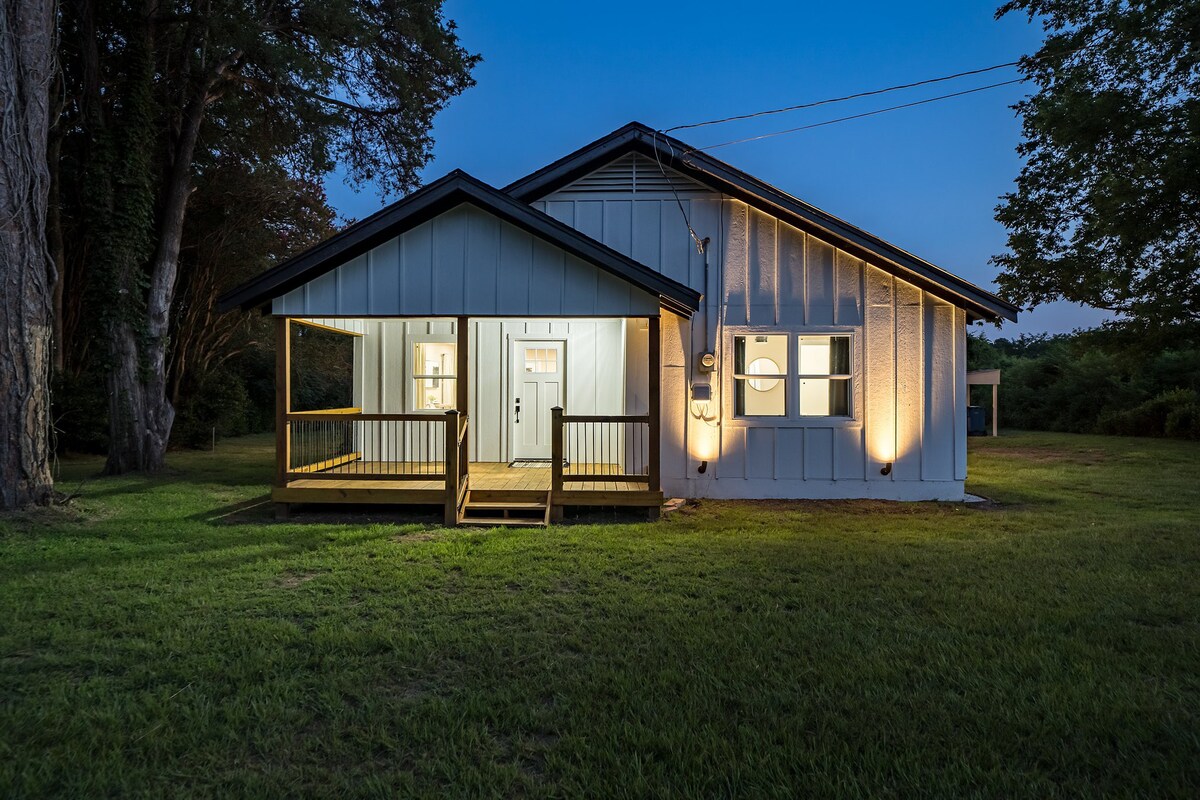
747	377
411	375
847	376
793	419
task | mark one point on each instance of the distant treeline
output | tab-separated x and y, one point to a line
1110	380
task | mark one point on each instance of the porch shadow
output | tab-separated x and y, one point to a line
256	510
261	511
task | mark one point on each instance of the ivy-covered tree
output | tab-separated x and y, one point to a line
157	89
26	271
243	218
1106	209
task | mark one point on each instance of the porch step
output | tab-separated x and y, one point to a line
480	505
493	509
478	496
503	522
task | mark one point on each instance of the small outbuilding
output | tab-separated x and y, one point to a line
988	377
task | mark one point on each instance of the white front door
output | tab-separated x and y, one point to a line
538	385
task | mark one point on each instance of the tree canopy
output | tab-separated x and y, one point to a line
236	104
1106	209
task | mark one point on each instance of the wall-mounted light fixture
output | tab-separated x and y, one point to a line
702	468
887	469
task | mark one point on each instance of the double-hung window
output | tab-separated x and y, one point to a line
824	376
433	376
818	386
760	375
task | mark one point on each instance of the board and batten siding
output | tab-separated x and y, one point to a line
765	276
595	369
466	262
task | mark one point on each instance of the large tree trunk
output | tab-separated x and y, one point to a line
140	411
26	68
54	234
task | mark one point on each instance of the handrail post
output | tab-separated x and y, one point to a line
465	440
450	459
654	360
283	400
556	460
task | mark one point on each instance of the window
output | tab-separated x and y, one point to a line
760	367
802	377
541	359
824	376
433	376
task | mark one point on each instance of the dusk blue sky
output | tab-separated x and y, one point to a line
556	75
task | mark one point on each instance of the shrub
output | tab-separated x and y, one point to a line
220	406
1183	421
1173	413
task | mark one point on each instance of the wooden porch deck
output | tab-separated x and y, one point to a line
496	480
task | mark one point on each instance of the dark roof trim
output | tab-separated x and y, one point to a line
638	138
426	203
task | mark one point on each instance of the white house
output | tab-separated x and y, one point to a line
634	320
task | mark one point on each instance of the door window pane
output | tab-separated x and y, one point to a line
760	375
540	360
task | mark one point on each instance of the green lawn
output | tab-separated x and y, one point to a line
157	640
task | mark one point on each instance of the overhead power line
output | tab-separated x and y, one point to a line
844	98
856	116
886	89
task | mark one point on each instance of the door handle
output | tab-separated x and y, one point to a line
518	420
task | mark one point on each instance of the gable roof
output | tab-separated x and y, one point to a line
703	168
428	202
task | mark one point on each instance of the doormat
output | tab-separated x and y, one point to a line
535	463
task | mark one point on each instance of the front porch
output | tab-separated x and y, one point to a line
508	494
359	456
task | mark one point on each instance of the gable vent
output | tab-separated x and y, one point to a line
634	174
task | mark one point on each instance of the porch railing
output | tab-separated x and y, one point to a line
457	465
344	444
603	448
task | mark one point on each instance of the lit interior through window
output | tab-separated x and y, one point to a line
433	376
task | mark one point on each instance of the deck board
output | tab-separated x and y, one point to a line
484	476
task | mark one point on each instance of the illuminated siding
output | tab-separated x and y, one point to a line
909	346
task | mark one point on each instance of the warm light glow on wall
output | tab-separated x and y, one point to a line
704	442
881	437
884	441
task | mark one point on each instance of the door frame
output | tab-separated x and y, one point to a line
515	341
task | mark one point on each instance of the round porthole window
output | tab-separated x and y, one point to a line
763	366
